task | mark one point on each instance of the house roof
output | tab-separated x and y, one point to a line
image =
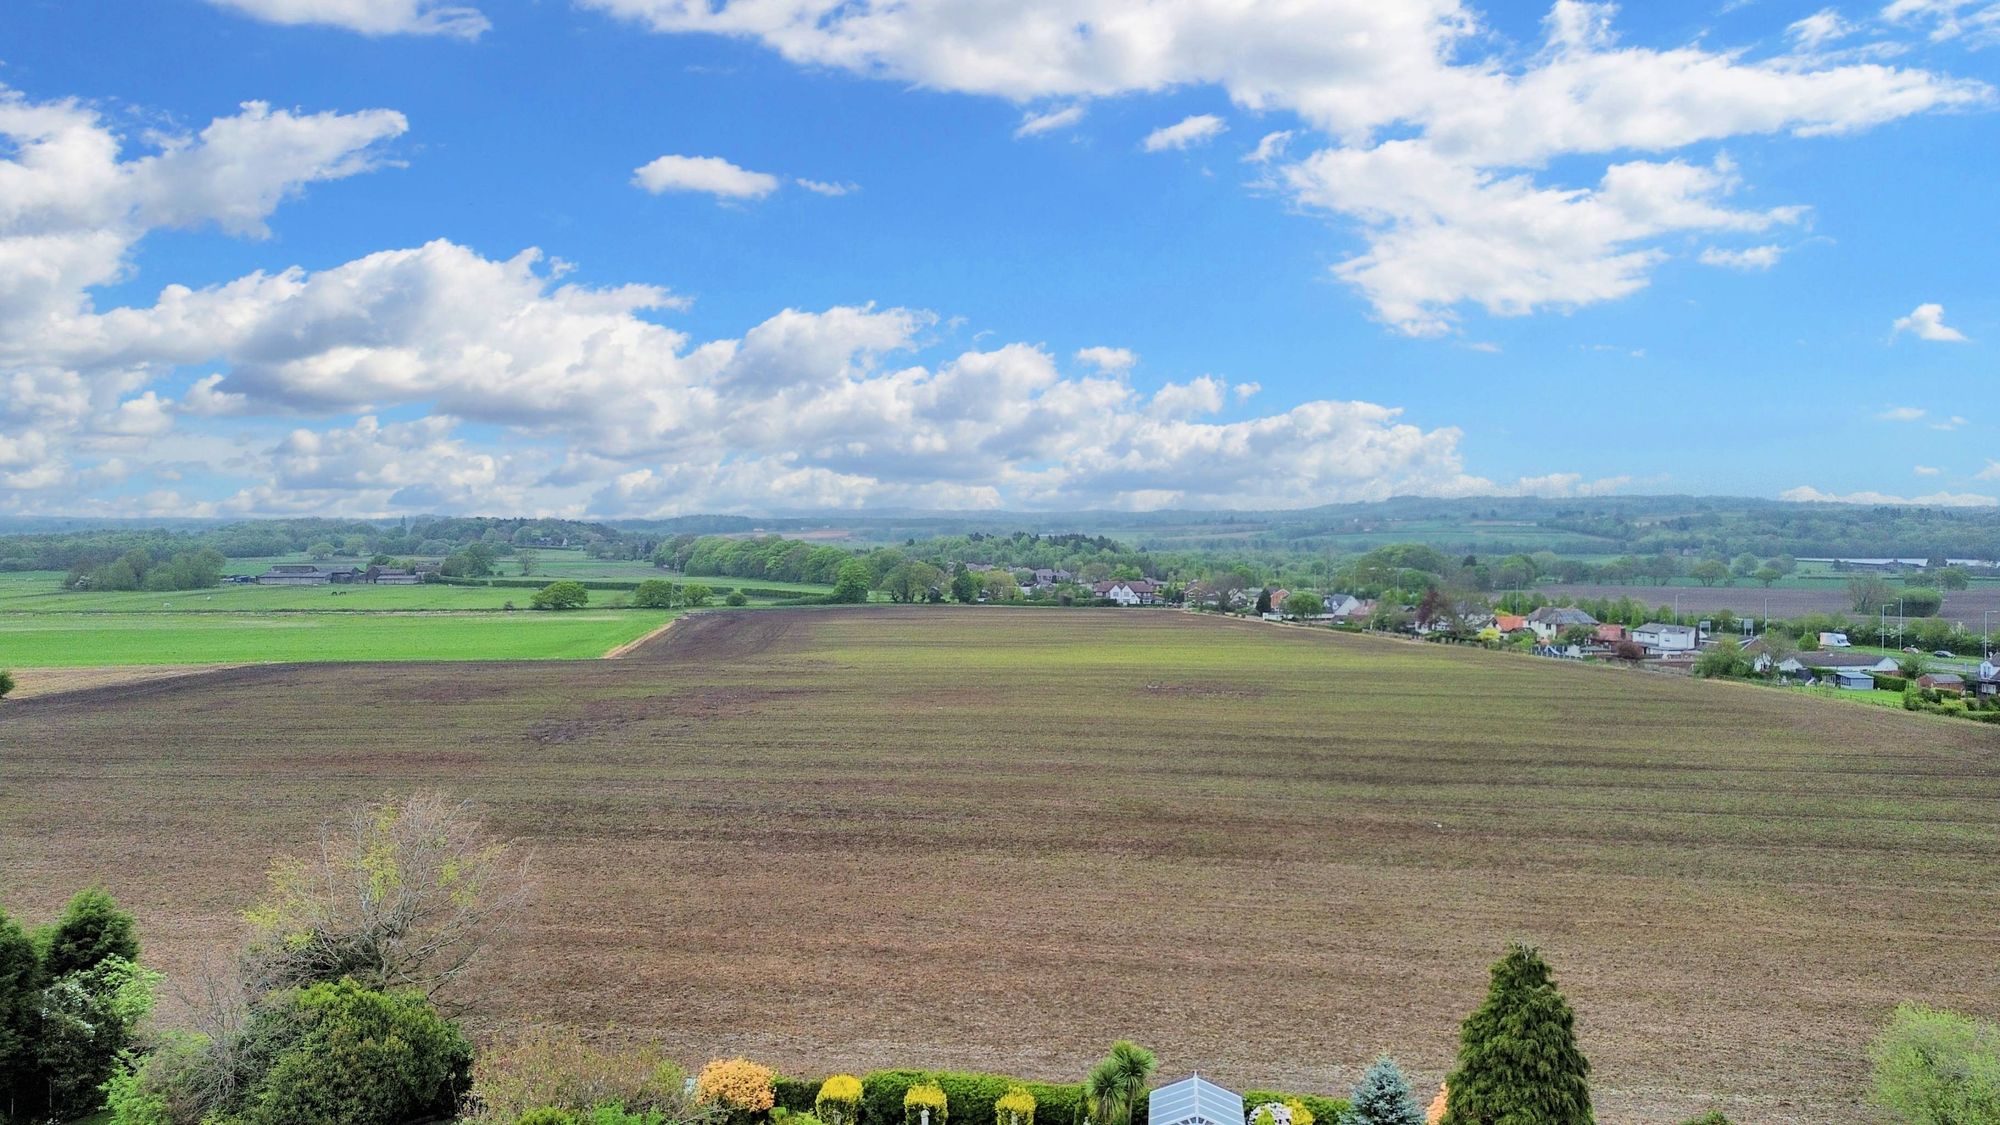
1194	1099
1839	659
1943	678
1674	630
1509	622
1561	615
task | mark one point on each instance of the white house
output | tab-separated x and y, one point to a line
1549	621
1660	639
1838	662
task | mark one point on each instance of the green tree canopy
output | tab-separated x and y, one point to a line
565	594
1938	1068
1518	1062
852	583
654	593
91	930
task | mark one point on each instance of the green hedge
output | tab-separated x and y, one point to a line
538	581
797	1095
1325	1111
971	1097
1886	682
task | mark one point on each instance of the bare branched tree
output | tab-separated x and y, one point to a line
403	893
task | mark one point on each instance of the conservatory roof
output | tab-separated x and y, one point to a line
1194	1101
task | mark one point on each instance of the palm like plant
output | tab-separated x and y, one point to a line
1115	1084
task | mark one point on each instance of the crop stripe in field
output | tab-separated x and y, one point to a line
626	648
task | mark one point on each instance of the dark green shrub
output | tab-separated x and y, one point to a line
1886	682
796	1095
338	1054
547	1115
91	929
736	598
882	1095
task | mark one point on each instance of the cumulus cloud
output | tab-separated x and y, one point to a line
1990	472
1951	423
1113	360
615	414
1808	495
1926	322
74	204
1903	414
706	175
1927	470
1035	124
370	17
1198	129
1748	260
1404	86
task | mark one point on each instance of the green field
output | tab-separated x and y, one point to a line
77	640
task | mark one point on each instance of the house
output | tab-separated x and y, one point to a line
1611	634
1987	683
1942	681
1824	661
1136	591
1509	623
308	574
1339	606
1659	639
1854	679
1549	621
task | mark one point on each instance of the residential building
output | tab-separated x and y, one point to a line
1825	661
1659	639
1549	621
1942	681
1854	679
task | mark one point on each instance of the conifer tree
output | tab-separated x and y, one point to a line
1383	1097
20	983
1518	1062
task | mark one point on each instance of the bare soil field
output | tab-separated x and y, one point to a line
1964	606
31	682
996	840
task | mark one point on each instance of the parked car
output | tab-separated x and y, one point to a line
1944	653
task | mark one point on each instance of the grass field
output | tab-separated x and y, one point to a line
77	640
1967	607
836	840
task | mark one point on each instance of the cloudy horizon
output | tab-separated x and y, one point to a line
642	258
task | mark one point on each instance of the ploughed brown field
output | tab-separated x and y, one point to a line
997	840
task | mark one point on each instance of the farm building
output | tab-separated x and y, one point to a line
1194	1101
308	574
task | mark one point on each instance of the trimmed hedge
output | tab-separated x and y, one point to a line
796	1095
972	1096
1886	682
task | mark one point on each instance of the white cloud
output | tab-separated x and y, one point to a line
1927	470
1804	494
611	413
1926	322
73	206
1035	124
1817	30
1903	414
1990	472
1748	260
1197	129
1441	233
1951	423
1978	21
1270	147
827	187
1112	360
707	175
1424	75
370	17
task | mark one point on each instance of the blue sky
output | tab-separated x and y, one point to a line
645	257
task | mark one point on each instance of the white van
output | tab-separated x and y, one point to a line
1834	640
